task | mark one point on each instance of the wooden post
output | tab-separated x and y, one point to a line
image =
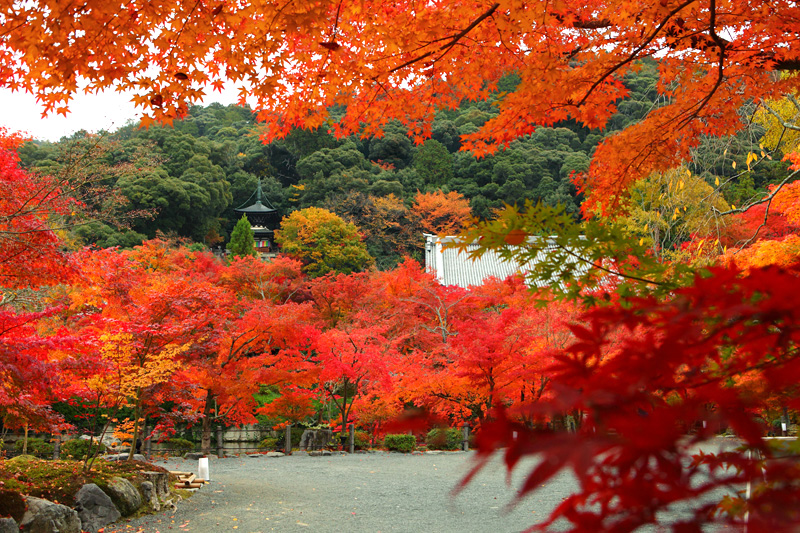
465	437
288	440
352	438
785	423
220	445
57	448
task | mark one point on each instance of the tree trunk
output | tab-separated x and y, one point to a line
25	441
137	413
205	441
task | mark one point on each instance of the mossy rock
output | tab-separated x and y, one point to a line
12	504
23	460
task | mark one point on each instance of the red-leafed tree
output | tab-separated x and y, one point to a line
260	344
632	455
30	250
354	360
167	311
31	256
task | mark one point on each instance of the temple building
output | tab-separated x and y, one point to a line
453	267
264	220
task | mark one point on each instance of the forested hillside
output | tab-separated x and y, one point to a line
187	178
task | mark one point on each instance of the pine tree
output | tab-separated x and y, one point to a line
242	242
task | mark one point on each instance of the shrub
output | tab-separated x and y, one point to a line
180	446
297	434
37	447
78	449
12	504
270	443
400	443
362	440
444	439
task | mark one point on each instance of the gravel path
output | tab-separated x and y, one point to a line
372	492
375	492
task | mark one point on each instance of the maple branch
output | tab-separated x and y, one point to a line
635	54
452	42
721	43
619	273
183	27
787	355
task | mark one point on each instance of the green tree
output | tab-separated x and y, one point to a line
434	163
323	242
242	243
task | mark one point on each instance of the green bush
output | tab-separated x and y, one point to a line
297	435
78	449
180	446
12	504
362	440
444	439
37	447
270	443
400	443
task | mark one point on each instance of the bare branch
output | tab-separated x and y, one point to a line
784	123
764	200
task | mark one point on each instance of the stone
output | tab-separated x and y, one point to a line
8	525
434	452
254	455
275	454
149	493
95	508
45	516
125	495
300	454
124	457
193	456
315	439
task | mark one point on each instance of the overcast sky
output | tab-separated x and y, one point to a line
106	111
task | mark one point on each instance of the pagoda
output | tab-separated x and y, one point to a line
264	219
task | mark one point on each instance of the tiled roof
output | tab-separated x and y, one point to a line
453	267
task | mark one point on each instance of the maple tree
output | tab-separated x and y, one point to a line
147	293
442	213
31	257
30	250
389	229
676	357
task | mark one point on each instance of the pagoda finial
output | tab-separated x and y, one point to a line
259	193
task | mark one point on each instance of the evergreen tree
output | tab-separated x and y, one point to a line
242	242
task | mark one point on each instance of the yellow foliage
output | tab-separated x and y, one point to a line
133	368
667	209
776	136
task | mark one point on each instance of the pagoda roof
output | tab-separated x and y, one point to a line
257	207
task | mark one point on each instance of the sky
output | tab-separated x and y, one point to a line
105	111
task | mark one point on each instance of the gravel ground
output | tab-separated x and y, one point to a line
372	492
375	492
